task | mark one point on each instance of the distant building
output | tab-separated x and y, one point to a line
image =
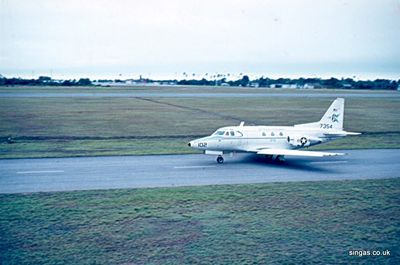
130	82
275	86
283	86
312	85
289	86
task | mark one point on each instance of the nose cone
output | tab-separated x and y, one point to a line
192	144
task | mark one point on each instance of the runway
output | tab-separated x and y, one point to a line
194	95
89	173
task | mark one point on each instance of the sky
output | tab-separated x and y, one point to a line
164	39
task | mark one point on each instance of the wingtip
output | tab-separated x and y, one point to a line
354	133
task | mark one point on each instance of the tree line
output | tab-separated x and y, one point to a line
299	82
345	83
43	81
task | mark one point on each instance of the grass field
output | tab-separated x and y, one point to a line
56	127
278	223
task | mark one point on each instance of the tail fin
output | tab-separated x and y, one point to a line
332	119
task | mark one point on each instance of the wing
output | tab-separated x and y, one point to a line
289	152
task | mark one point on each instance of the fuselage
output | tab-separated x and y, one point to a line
245	138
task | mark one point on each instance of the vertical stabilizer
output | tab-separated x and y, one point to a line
333	117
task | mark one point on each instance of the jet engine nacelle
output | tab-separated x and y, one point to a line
302	141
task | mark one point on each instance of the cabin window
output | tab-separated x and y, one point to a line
239	133
281	134
219	133
232	133
272	134
227	133
264	134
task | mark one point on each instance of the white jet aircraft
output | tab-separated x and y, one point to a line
275	142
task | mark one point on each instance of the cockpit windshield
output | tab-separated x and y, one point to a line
219	133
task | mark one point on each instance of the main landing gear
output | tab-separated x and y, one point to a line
220	160
280	159
276	159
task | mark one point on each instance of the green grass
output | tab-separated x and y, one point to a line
69	126
75	148
278	223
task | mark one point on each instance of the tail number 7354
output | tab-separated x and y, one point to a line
326	126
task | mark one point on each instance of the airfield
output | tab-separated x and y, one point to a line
106	174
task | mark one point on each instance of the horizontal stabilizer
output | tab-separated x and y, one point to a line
340	133
289	152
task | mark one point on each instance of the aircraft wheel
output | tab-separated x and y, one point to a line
280	159
269	157
220	160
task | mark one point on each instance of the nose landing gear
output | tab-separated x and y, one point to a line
220	160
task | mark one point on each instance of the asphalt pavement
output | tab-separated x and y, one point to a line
89	173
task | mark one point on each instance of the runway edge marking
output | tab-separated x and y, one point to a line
40	171
187	167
